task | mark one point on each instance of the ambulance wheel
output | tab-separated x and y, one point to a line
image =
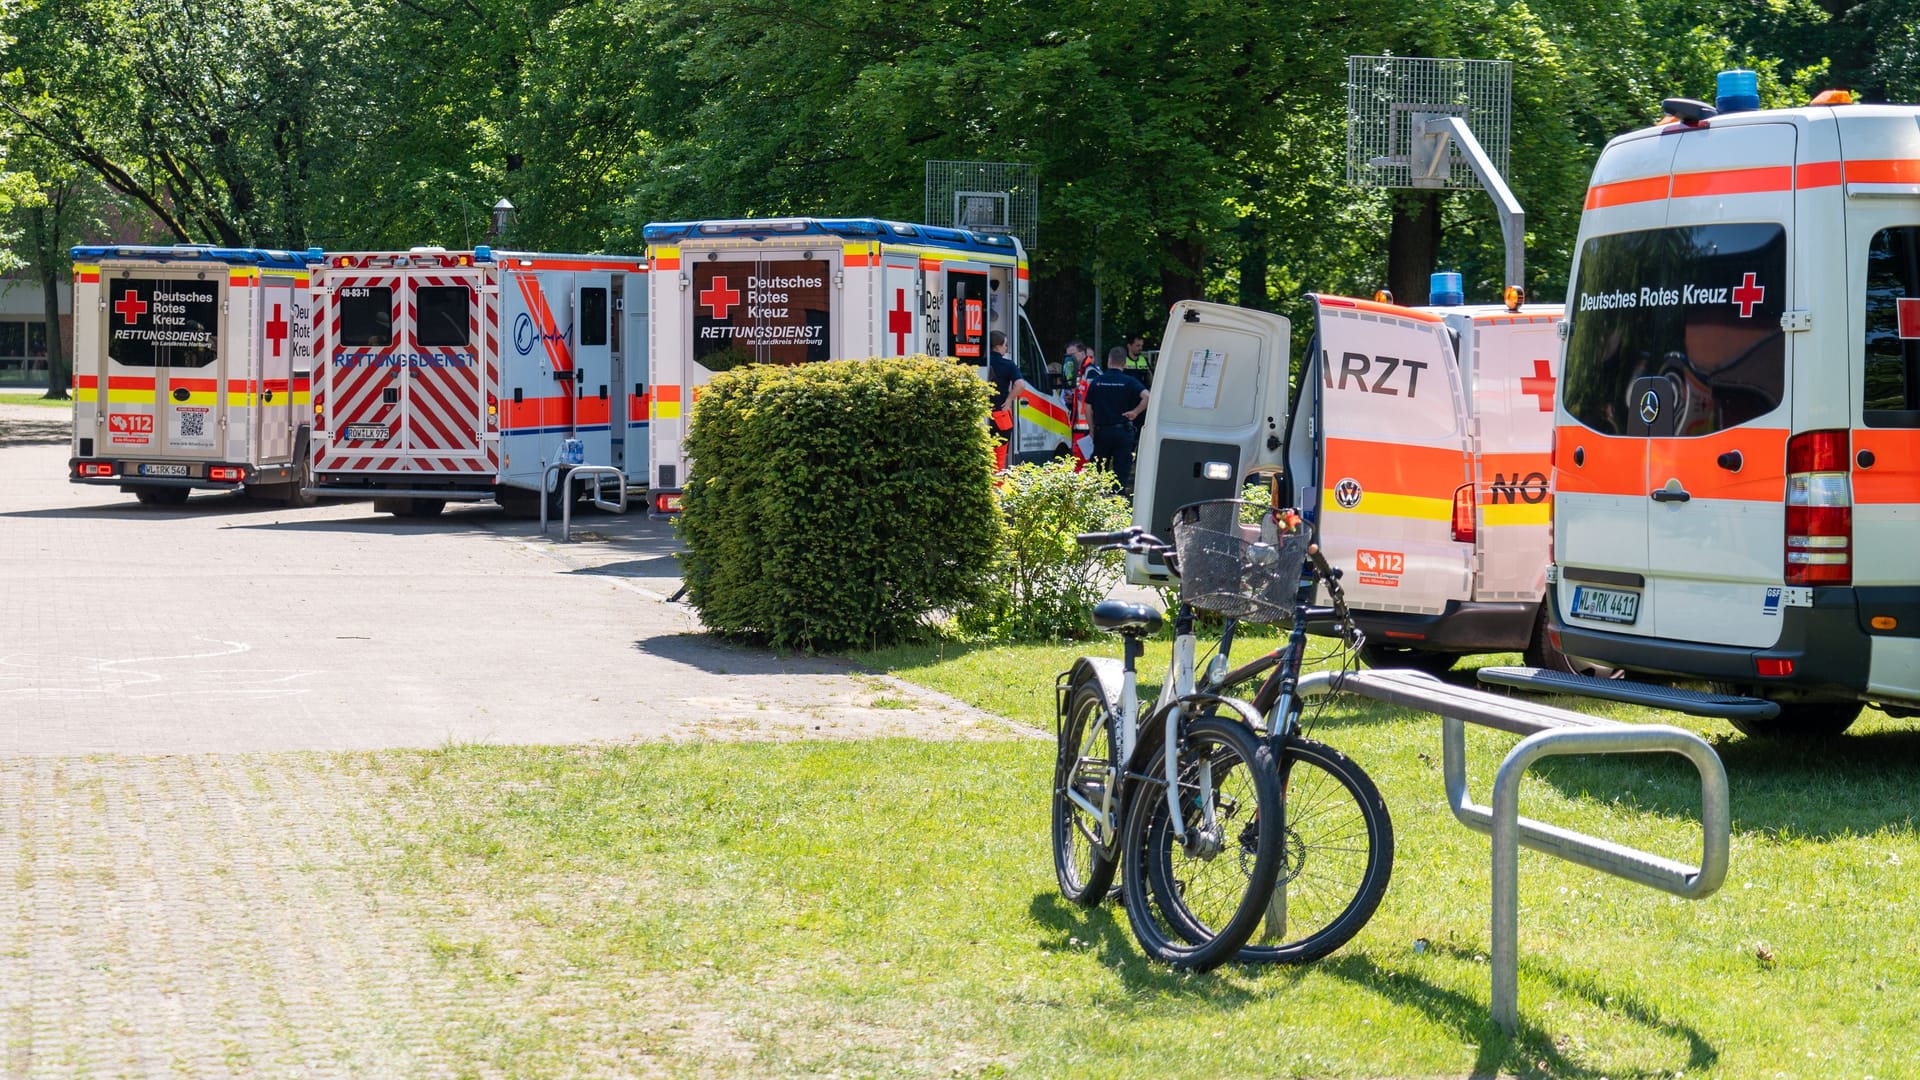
1540	653
296	494
1803	720
168	496
1399	656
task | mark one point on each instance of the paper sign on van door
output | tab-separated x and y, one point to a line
1202	390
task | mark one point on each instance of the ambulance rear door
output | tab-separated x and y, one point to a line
361	383
164	380
636	372
444	388
1883	313
1395	455
283	324
1214	415
903	331
1510	360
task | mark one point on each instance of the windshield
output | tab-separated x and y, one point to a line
1677	331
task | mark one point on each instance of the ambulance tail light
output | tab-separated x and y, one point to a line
1463	507
227	474
667	502
1819	510
96	468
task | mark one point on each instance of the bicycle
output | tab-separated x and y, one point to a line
1195	799
1337	836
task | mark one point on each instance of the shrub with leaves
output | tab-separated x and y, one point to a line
1044	583
838	504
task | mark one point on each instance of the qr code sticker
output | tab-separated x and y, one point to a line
193	424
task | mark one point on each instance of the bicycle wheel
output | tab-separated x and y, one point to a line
1223	873
1083	850
1338	850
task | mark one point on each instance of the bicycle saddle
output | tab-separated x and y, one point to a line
1124	618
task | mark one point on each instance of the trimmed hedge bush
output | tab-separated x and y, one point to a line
838	504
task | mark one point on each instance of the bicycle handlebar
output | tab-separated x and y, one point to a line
1133	540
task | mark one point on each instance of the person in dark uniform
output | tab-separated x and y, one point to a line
1007	384
1114	400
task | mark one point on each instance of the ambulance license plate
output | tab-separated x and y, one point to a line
163	470
366	431
1606	605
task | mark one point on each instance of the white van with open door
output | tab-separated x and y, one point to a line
1419	444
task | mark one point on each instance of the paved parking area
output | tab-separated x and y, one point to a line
234	625
183	894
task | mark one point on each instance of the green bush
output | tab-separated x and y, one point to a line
1044	583
838	504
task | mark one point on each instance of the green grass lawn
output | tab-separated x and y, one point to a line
888	908
34	397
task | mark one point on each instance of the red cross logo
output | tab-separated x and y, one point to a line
1540	385
1908	309
131	307
276	329
719	298
1748	294
899	321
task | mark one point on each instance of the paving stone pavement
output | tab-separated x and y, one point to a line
184	869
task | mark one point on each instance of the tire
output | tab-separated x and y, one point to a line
167	496
1803	720
1337	857
1399	656
1215	897
1540	653
296	496
1083	862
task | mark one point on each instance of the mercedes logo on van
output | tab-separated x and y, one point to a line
1649	407
1347	493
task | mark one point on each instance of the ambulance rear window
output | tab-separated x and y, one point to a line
1891	391
366	315
1676	332
443	315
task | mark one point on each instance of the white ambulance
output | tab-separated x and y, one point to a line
1737	463
461	375
190	370
797	290
1420	446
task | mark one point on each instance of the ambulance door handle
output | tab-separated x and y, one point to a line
1671	494
603	391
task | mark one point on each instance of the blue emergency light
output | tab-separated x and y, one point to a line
1736	91
1444	289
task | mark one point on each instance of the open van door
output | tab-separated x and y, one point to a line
1215	414
1394	455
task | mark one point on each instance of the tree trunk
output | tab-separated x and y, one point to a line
1413	245
1180	280
1253	266
59	371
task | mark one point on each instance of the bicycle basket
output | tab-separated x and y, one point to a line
1245	570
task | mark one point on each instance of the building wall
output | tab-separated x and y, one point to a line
23	330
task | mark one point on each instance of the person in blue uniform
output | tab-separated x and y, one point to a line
1115	400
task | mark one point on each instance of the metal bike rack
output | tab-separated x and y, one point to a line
580	472
1549	731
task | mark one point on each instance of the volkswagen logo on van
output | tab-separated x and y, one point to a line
1347	493
1649	407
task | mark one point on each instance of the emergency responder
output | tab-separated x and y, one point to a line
1114	400
1007	385
1005	374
